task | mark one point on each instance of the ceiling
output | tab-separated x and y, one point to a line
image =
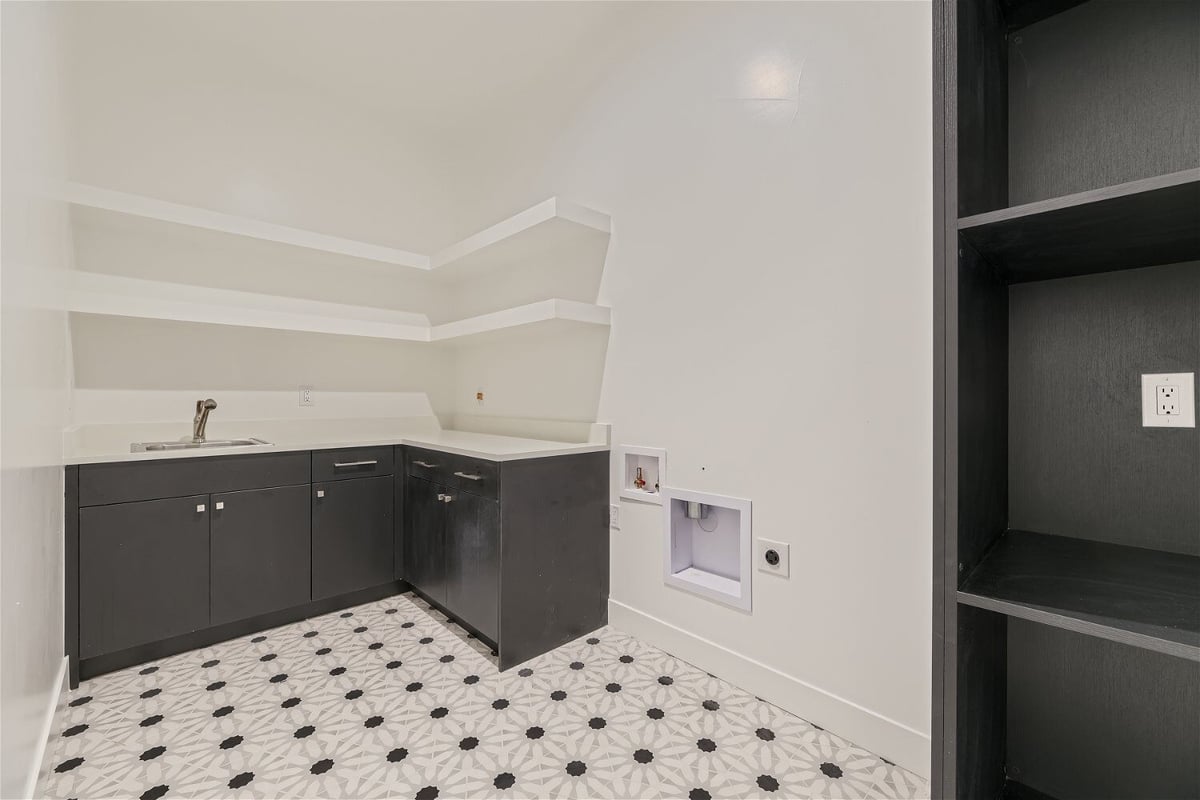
443	66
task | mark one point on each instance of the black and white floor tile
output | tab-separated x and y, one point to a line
390	700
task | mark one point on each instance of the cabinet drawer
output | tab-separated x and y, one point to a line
125	481
352	462
428	465
475	476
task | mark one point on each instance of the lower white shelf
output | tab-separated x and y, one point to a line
115	295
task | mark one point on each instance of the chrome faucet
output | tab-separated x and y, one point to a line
201	418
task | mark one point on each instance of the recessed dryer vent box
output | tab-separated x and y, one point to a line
652	461
707	541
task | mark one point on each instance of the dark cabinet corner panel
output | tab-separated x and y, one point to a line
352	535
143	572
125	481
261	544
555	552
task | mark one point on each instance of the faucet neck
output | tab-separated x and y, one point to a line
200	421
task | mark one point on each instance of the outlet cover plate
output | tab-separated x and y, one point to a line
762	546
306	397
1169	388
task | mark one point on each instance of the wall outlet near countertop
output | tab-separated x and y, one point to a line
1169	400
306	396
614	517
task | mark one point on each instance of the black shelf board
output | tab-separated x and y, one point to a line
1144	598
1142	223
1022	13
1015	790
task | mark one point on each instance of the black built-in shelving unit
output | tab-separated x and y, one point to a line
1067	264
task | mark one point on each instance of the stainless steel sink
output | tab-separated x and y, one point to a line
153	447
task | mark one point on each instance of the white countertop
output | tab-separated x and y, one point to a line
475	445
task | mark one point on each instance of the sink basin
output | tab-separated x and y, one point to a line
154	447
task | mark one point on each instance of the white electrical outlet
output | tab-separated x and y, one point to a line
1169	400
772	557
614	517
306	396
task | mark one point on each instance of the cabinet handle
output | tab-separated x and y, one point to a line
468	477
441	496
320	493
341	464
425	465
220	504
447	498
200	508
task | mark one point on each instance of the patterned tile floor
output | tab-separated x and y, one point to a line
389	700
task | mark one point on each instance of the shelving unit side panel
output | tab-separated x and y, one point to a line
980	704
981	112
982	407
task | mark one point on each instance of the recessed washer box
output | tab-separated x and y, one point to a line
652	461
709	552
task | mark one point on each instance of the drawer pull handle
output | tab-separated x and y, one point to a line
343	464
425	465
447	498
468	477
220	504
442	497
200	508
320	492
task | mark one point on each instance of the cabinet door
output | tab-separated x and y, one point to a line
473	561
143	572
424	550
261	552
352	535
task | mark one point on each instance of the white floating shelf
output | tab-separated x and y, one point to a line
153	208
552	227
544	313
114	295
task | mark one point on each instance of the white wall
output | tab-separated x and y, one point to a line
767	170
34	375
161	110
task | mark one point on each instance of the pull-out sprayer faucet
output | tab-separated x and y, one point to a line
201	419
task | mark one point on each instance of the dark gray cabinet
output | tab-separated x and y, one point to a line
352	535
143	572
261	547
472	537
164	556
424	541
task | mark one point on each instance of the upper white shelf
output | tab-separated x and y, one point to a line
153	208
114	295
545	228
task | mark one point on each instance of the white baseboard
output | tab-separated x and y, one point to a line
38	765
893	740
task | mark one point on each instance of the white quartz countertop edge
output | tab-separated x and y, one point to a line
473	445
